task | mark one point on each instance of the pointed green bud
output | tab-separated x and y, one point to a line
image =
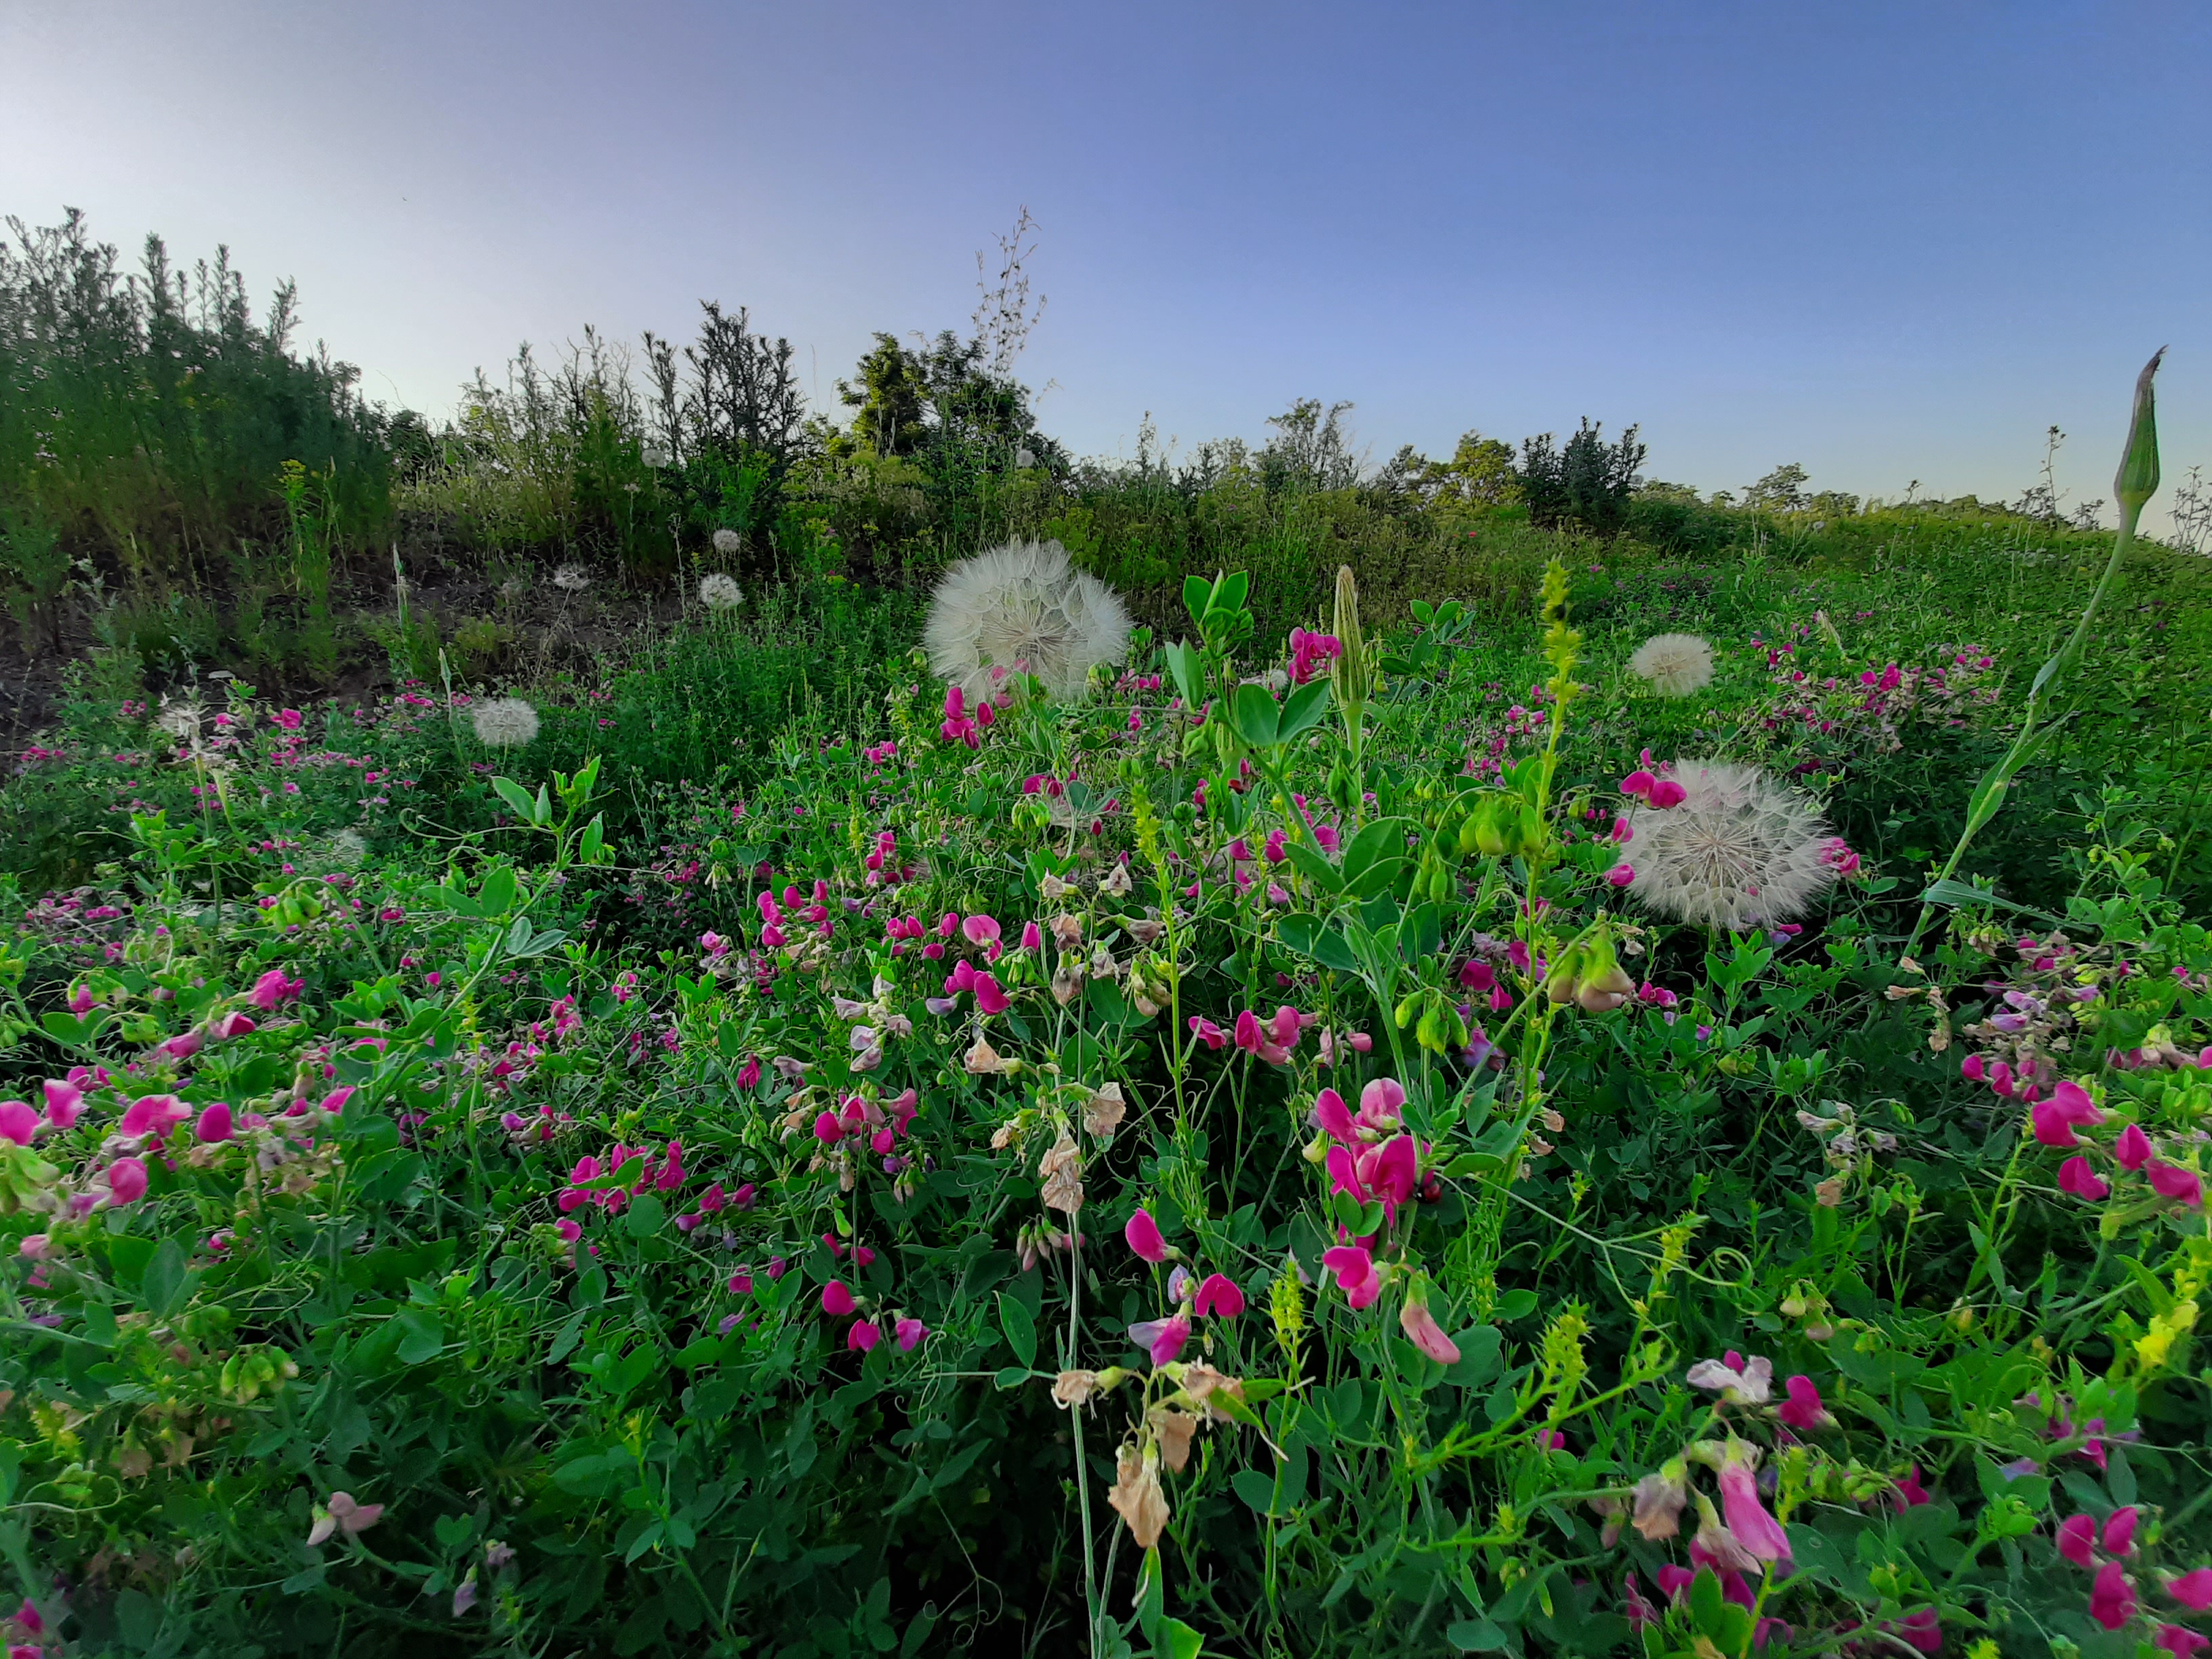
2137	479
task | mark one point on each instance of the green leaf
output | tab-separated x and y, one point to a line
1302	710
1188	669
1020	1328
1257	1490
421	1336
1954	894
1252	714
1197	595
1314	866
162	1286
1174	1639
517	798
646	1216
1375	857
1476	1636
1308	938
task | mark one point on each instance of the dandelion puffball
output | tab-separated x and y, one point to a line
1739	851
571	578
719	592
727	541
1022	608
654	456
1676	665
505	723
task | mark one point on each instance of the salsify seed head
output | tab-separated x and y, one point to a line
1739	851
1676	664
1022	608
505	723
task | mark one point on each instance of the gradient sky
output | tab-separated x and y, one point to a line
1891	241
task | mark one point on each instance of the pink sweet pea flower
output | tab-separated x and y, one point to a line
183	1046
2120	1531
1909	1493
63	1101
273	989
1219	1297
2111	1598
2172	1181
1334	1116
908	1334
836	1299
2077	1540
1162	1339
2075	1176
1379	1102
1143	1234
1621	875
18	1121
2050	1125
2132	1150
1391	1172
1207	1032
988	997
342	1514
231	1026
2192	1589
1754	1529
864	1336
1032	937
1419	1324
213	1125
152	1115
1803	1409
1355	1273
2072	1101
2180	1641
980	930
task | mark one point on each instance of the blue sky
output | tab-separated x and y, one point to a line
1890	242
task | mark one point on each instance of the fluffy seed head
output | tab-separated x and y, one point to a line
505	723
1022	607
571	578
719	592
1676	665
347	847
727	541
1740	850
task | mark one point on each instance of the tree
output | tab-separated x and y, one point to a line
743	395
1310	448
1781	490
1589	482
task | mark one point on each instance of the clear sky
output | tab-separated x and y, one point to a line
1889	241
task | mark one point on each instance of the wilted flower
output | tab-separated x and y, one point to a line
571	578
1676	664
505	723
1659	1497
720	593
1736	1380
1759	1532
1137	1498
1738	851
343	1515
1022	608
1420	1325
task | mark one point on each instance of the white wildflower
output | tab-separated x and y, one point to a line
655	456
1676	665
719	592
571	578
727	541
1739	851
505	723
1022	607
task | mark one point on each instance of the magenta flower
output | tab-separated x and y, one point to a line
2075	1176
1621	875
1418	1323
1379	1103
2172	1181
1162	1339
1207	1032
1759	1532
864	1336
836	1299
988	997
213	1125
1803	1409
183	1046
2180	1641
1355	1273
1219	1297
1391	1172
273	989
1032	937
231	1026
2192	1589
2072	1101
980	930
2077	1540
2120	1532
126	1180
63	1101
1909	1493
1334	1116
1973	1068
1143	1234
18	1121
2132	1150
908	1334
749	1074
2111	1598
2051	1125
152	1115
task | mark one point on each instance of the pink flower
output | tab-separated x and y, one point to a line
1803	1409
908	1334
988	997
2051	1125
63	1101
2075	1176
2192	1589
2111	1598
836	1299
2132	1150
864	1336
1143	1234
2172	1181
2120	1532
1973	1068
1162	1339
1355	1273
288	718
272	989
980	930
1758	1532
183	1046
2072	1101
342	1514
1334	1116
215	1124
1910	1491
152	1115
18	1121
1379	1102
231	1026
1418	1323
749	1074
1207	1032
1219	1297
1737	1380
2077	1540
1032	937
1621	874
1391	1172
2180	1641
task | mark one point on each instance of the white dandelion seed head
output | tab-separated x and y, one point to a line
1676	665
181	720
347	847
719	592
505	723
655	456
1024	458
571	578
1023	608
727	541
1739	851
